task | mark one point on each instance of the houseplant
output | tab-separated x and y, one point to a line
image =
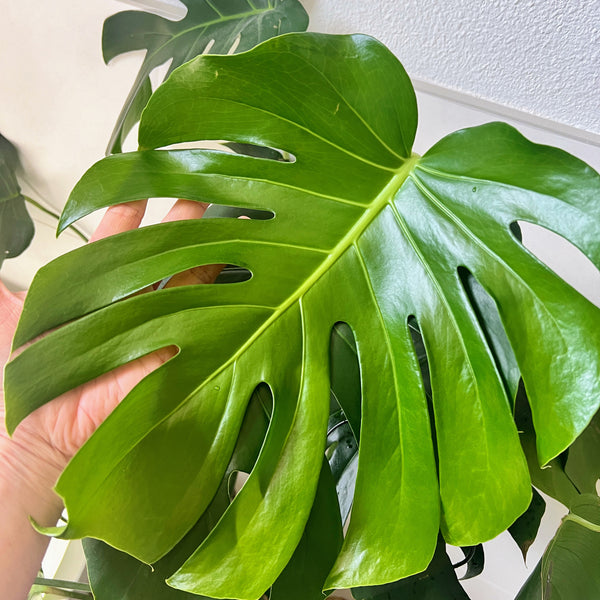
352	167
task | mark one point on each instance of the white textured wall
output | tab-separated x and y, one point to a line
540	56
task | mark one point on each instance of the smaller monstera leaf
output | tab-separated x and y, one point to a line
362	232
209	26
16	226
569	568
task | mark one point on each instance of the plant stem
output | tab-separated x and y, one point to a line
63	589
60	583
583	522
62	593
54	215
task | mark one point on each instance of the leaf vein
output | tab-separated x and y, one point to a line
478	242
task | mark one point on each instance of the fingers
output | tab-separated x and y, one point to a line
197	275
124	217
120	218
187	209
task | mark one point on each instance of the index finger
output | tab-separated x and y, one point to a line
120	218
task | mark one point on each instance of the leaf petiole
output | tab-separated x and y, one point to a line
55	216
583	522
63	589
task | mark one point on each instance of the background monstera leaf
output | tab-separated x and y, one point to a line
569	567
363	233
16	226
216	22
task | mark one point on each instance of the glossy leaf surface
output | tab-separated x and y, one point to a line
210	26
114	574
16	226
437	582
363	233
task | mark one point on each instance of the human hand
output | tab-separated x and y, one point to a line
42	445
58	429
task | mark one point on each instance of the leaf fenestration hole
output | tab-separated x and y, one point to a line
242	148
343	429
250	439
489	320
421	353
157	208
208	46
345	379
222	211
563	258
235	44
204	274
237	479
159	73
258	151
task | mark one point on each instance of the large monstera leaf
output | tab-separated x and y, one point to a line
363	232
208	26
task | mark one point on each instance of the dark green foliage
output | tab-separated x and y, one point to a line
209	26
16	226
570	567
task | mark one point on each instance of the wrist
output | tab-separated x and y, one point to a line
28	473
25	492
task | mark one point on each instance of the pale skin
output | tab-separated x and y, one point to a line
32	460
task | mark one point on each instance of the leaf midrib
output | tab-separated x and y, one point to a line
369	215
377	205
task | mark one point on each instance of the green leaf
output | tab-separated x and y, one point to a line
16	226
304	576
474	559
345	375
524	530
363	233
437	582
583	466
114	574
551	479
569	568
211	26
491	324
